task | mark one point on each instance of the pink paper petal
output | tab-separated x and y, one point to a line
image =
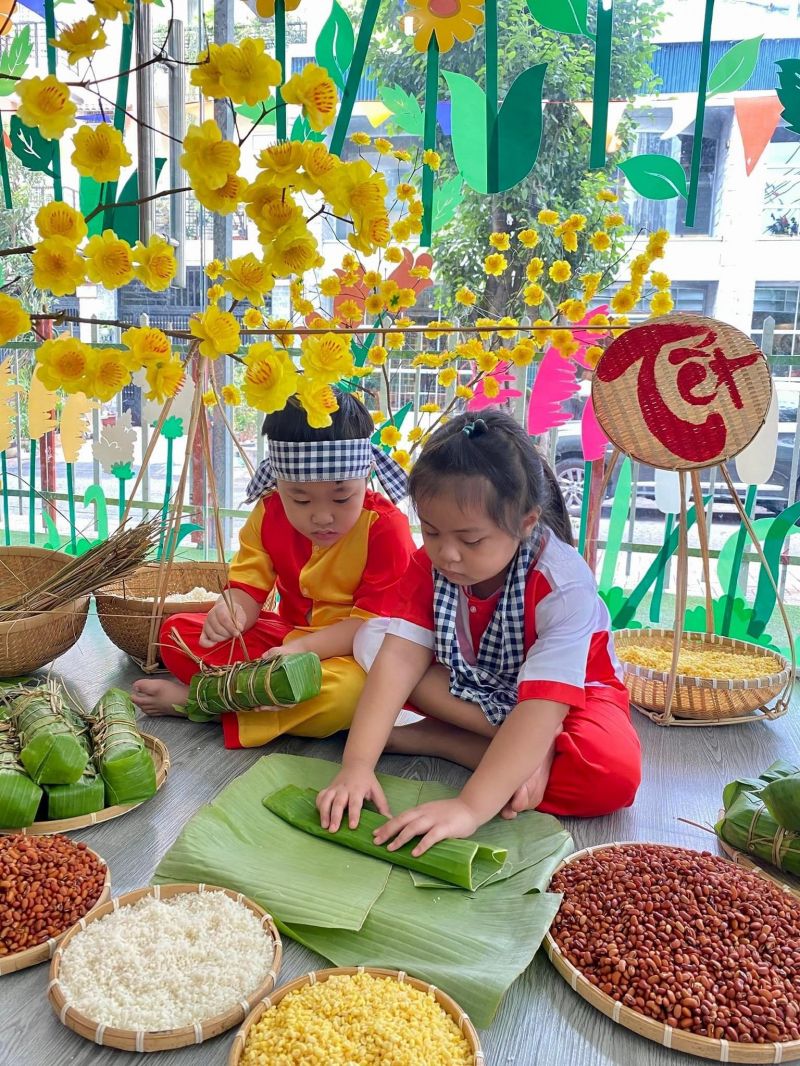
555	383
593	439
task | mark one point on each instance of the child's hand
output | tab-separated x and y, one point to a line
348	791
432	821
223	622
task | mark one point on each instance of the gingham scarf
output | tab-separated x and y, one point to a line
491	681
327	460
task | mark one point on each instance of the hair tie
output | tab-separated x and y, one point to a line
475	428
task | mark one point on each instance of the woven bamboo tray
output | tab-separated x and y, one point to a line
160	755
142	1040
28	642
21	960
127	620
704	1047
448	1005
704	701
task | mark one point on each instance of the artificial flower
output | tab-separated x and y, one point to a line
606	196
597	324
206	74
377	355
57	219
214	293
401	230
624	300
57	266
390	436
447	377
590	283
495	264
44	104
402	458
491	387
266	8
374	304
108	260
248	278
326	357
231	394
270	377
507	334
543	331
500	241
319	402
546	217
661	303
314	90
154	263
619	321
575	311
209	398
383	146
109	9
463	392
522	353
600	241
560	271
224	199
330	286
217	331
99	152
207	156
534	268
106	373
14	319
393	255
660	280
533	294
528	238
81	40
564	343
360	138
431	159
164	378
247	72
420	272
429	408
378	417
592	354
214	269
293	251
405	191
465	296
146	344
61	363
402	154
253	318
614	220
486	361
657	243
451	21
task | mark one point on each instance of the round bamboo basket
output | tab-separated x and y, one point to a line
21	960
160	755
141	1040
702	1046
706	701
448	1005
30	641
127	619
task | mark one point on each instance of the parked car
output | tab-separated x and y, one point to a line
569	465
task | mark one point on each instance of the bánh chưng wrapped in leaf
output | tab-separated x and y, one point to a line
279	682
749	826
49	735
19	796
465	863
84	796
120	753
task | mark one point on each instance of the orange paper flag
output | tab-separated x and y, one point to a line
758	118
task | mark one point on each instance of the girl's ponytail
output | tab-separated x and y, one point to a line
554	512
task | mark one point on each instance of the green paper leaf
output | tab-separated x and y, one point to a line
14	60
53	542
89	197
254	112
658	177
94	495
563	16
468	129
31	149
735	68
336	44
517	131
764	604
406	112
615	600
446	199
616	526
789	92
125	220
172	428
183	531
302	132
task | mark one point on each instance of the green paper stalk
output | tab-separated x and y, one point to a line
122	758
126	50
49	734
121	501
464	863
368	19
602	84
429	139
280	56
658	589
587	492
748	825
288	679
4	478
620	510
73	540
32	496
492	106
167	493
4	168
50	33
19	796
736	565
700	115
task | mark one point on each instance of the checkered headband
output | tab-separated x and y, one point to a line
327	460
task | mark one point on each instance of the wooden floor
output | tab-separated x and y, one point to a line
542	1021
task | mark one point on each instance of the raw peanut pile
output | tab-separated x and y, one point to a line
46	885
684	937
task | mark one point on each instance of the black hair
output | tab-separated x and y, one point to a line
351	422
509	475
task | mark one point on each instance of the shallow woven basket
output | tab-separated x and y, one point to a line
28	642
706	700
160	755
127	620
165	1039
448	1005
703	1046
21	960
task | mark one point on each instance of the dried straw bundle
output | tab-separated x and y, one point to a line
123	553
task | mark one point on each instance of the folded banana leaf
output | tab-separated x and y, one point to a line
355	909
85	796
748	825
464	863
19	796
282	681
49	733
122	758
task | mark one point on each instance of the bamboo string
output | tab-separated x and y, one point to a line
596	506
682	579
702	532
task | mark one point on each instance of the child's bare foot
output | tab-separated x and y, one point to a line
438	739
530	794
159	696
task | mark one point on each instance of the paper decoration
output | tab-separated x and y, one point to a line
620	509
570	17
403	108
41	409
74	425
789	92
735	68
116	445
368	18
502	376
668	491
375	113
764	604
755	464
8	390
602	84
757	118
683	109
658	177
700	115
13	63
429	139
181	402
616	110
554	383
52	68
593	440
335	44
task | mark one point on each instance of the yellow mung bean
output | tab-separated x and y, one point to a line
372	1021
718	664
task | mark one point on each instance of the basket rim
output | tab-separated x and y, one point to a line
21	960
445	1001
645	1026
181	1036
155	746
116	589
773	680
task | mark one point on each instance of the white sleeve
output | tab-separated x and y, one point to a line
565	622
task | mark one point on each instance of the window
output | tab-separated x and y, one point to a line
781	303
781	210
697	297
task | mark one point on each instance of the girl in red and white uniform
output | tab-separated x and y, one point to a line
500	641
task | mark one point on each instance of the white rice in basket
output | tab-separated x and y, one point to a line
197	595
162	964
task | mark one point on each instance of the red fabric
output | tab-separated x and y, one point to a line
598	762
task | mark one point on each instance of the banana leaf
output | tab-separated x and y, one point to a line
122	758
749	826
85	796
284	681
49	734
355	909
19	796
464	863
